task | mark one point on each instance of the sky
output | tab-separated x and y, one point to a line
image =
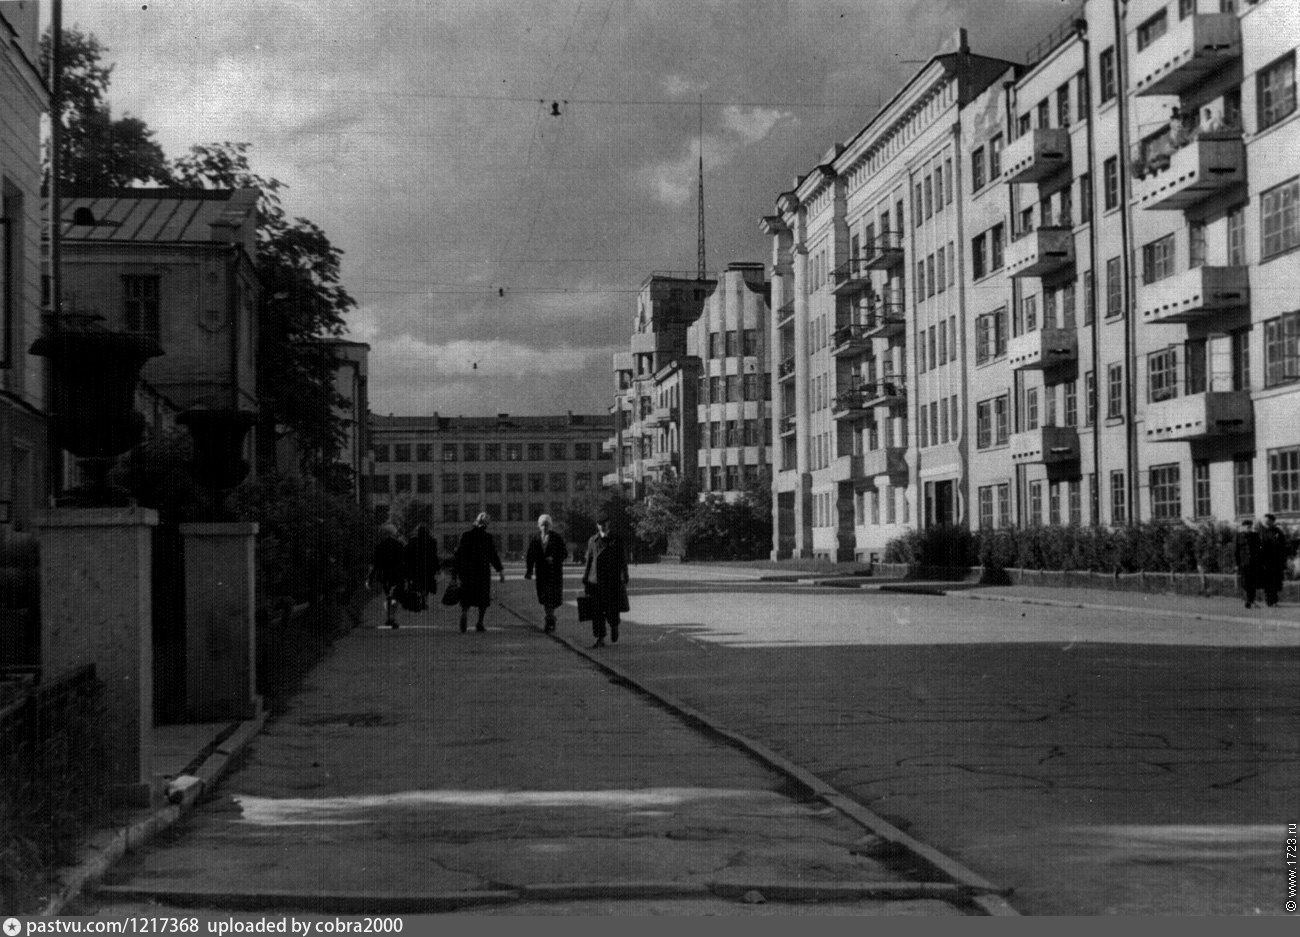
546	150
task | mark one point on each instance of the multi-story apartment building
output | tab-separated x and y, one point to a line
666	304
1099	328
23	430
512	467
731	420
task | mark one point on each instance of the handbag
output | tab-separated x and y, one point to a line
586	608
452	595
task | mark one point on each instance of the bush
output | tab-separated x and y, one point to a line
947	547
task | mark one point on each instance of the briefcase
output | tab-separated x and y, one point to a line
586	608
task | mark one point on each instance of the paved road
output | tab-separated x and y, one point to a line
420	764
1096	762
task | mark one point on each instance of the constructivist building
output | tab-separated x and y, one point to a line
514	468
1051	292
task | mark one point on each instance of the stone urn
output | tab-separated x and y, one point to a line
93	412
218	436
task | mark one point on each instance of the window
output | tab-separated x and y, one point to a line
141	304
986	507
1024	125
424	483
995	157
928	186
1054	504
1110	180
450	512
379	484
470	481
997	241
941	273
1071	402
1004	504
1035	503
514	511
1195	244
423	452
947	176
1201	489
559	481
380	452
1240	359
978	257
1089	398
1115	391
536	482
1275	90
492	452
1044	113
1106	73
535	452
1165	497
984	424
1063	105
1031	408
449	452
922	429
582	451
1158	259
1162	375
1029	313
471	452
402	484
1152	29
952	260
1243	485
1282	349
1114	288
1186	8
1194	366
514	482
1118	499
402	452
450	483
1075	502
1236	224
1280	218
1085	198
582	481
1081	83
929	276
977	169
492	483
938	189
559	452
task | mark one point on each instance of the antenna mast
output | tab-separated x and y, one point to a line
700	250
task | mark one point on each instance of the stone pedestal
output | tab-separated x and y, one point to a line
220	630
97	607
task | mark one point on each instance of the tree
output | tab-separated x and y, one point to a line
97	150
663	515
578	520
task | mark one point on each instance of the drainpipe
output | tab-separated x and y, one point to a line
1130	336
1094	504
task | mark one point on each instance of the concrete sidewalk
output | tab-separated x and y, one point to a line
421	769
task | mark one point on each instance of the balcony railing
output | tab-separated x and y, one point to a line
1041	252
1189	52
787	425
784	313
852	276
1046	445
886	317
1043	349
851	339
889	460
1037	155
1194	294
1182	168
883	251
1200	416
859	400
785	369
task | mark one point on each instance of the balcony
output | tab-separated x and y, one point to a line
1037	155
609	445
1047	445
1200	416
846	468
610	480
850	340
1041	253
785	370
784	313
883	251
1174	173
852	276
1043	349
885	319
659	416
1191	50
860	400
890	460
1194	294
787	426
658	462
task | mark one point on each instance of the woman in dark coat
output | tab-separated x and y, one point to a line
422	564
474	560
605	579
546	555
1247	550
388	570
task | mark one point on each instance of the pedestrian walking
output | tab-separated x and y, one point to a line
422	564
1248	555
605	580
388	570
546	556
474	560
1272	559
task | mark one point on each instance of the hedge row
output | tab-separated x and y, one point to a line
1151	546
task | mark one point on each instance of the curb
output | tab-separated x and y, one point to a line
966	885
1096	606
98	855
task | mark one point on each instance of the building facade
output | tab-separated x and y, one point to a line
24	457
514	468
731	420
1101	324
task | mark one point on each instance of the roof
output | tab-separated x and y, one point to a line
156	215
444	424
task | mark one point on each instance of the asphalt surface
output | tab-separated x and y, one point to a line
421	769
